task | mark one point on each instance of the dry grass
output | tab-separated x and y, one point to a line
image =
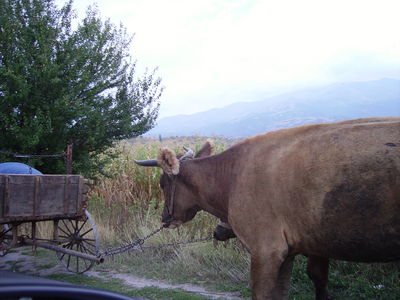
131	195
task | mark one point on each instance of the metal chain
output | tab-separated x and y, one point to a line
130	246
139	242
184	243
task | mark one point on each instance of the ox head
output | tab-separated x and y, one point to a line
180	195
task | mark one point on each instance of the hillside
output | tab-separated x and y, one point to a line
325	104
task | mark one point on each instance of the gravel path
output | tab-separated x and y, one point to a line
27	264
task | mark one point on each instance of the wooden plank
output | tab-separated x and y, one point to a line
36	195
66	200
51	193
21	192
73	194
20	219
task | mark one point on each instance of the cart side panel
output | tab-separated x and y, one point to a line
41	197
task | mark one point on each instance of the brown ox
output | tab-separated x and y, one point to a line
325	191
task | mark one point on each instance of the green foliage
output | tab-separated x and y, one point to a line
60	84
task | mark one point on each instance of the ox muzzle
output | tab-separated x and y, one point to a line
223	232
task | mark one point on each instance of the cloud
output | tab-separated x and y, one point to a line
214	52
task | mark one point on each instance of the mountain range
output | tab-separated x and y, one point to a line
323	104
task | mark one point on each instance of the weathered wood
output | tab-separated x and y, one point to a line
41	197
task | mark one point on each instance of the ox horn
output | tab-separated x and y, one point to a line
147	163
189	153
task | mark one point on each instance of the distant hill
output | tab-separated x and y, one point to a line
326	104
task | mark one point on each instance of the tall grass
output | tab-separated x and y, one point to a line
128	204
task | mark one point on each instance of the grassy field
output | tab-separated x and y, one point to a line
128	204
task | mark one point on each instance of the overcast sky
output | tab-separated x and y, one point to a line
210	53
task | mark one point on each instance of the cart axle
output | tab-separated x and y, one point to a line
28	241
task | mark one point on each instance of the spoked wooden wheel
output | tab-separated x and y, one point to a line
5	241
80	236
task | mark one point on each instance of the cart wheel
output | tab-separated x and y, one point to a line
79	236
5	243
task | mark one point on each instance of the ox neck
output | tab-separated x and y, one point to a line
170	209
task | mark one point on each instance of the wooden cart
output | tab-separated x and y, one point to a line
61	199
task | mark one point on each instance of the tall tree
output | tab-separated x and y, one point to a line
63	84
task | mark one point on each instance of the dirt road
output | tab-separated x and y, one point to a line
21	260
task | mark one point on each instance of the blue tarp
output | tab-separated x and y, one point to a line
17	168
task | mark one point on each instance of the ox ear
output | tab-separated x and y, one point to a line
206	150
168	161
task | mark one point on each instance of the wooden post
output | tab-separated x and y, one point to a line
14	236
68	159
34	236
55	230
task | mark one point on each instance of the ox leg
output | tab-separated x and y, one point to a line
285	273
317	270
271	276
